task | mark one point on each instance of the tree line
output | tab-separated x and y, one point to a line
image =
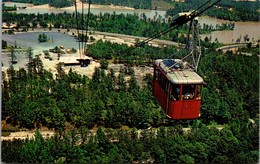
8	8
237	143
121	24
137	4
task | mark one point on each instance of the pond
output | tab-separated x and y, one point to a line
30	39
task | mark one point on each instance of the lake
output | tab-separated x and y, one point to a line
241	29
96	11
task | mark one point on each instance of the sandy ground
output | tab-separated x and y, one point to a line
79	6
47	134
46	6
51	65
140	72
27	134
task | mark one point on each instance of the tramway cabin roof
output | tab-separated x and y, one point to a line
177	74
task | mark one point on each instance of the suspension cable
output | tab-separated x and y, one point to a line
89	2
207	8
75	3
152	38
189	18
201	7
82	27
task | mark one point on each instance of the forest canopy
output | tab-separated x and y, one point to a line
89	114
237	143
32	98
231	92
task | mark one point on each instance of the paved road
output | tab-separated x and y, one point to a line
156	41
225	48
159	41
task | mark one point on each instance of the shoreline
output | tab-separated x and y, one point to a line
79	6
45	6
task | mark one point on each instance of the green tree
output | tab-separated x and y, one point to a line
42	38
104	64
102	140
4	44
37	65
60	71
12	55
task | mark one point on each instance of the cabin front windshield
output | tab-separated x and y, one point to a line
188	92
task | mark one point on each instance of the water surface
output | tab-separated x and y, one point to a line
12	4
241	28
252	29
96	11
30	39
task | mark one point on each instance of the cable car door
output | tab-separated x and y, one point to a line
190	107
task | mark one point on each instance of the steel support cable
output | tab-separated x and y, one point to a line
162	32
82	26
190	17
194	38
75	3
199	51
89	2
157	35
175	53
181	60
201	7
147	40
154	36
188	37
206	8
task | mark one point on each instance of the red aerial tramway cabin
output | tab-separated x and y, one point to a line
177	88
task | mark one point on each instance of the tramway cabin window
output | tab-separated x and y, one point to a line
188	92
175	92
